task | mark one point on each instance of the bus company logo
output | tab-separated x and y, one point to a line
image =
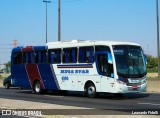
74	71
22	112
6	112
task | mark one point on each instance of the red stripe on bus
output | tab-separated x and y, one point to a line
33	74
27	49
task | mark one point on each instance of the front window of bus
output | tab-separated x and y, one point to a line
130	61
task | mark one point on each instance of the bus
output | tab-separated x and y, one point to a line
80	65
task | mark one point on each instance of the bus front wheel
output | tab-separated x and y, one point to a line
91	90
37	88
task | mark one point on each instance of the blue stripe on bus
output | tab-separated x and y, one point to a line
18	49
20	76
54	77
39	48
47	76
76	66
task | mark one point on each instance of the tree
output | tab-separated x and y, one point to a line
152	64
8	67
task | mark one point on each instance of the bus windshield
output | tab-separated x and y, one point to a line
130	61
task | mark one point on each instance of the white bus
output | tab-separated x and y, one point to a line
88	66
100	66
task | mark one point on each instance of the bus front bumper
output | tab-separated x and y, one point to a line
132	89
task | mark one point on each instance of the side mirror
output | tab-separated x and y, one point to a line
145	58
110	61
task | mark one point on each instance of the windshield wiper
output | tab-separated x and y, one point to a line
133	64
137	68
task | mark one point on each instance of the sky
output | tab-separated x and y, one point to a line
121	20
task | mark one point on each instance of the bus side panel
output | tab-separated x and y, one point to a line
48	77
33	74
19	76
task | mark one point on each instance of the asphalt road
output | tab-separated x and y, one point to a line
103	104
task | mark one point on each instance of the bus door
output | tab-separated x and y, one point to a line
104	66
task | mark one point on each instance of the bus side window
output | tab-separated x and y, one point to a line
86	54
17	58
30	57
39	57
104	67
24	57
36	57
102	61
74	55
43	57
54	56
90	56
66	55
51	56
70	55
81	55
58	55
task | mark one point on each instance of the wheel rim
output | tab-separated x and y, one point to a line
91	90
6	85
37	87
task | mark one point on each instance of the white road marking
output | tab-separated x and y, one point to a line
149	103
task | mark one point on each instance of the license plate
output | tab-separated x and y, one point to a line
134	87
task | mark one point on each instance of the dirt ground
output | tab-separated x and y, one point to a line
153	83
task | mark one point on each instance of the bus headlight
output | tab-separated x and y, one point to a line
143	81
120	82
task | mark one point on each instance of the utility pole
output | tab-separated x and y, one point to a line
46	17
158	45
14	43
148	49
59	20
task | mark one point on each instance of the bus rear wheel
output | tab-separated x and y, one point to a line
91	90
37	88
7	85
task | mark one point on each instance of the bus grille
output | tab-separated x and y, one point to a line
133	84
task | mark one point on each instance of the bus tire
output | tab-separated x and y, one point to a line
91	90
118	94
37	88
7	85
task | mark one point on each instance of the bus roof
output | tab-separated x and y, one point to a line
71	43
79	43
29	48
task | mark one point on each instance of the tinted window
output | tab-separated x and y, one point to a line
86	54
54	56
104	68
43	56
69	55
17	58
